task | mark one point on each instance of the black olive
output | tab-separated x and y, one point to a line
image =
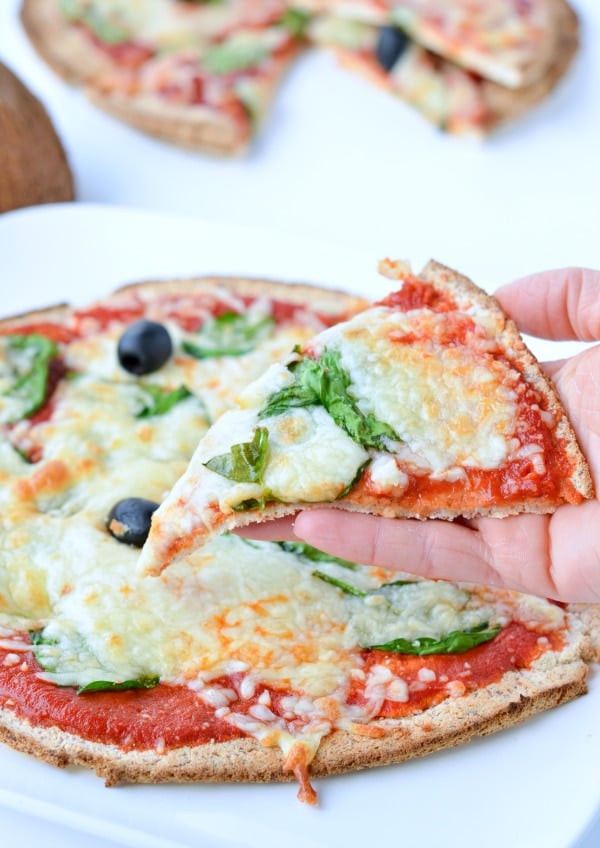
391	44
129	520
144	347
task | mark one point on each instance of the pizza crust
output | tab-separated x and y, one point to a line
553	680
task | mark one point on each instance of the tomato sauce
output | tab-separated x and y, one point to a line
479	488
417	294
173	716
103	315
169	716
58	333
514	648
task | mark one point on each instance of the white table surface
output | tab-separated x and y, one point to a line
342	162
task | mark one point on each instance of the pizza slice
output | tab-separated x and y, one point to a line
426	405
201	75
453	98
507	41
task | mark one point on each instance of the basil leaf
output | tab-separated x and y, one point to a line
106	26
238	53
246	462
340	584
229	334
295	21
38	640
252	503
455	642
162	400
397	583
314	554
29	357
323	381
110	686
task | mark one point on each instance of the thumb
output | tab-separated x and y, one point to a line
561	305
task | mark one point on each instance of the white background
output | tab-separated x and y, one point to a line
354	172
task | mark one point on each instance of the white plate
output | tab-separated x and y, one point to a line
535	786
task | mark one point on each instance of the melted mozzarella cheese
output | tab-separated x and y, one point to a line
450	405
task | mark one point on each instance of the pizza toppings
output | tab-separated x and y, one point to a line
144	347
230	334
25	363
391	43
129	520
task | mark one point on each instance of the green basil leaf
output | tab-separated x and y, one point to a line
238	53
314	554
106	26
252	503
246	462
29	357
397	583
229	334
455	642
295	21
38	640
162	400
110	686
323	381
340	584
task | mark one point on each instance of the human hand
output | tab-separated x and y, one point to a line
555	556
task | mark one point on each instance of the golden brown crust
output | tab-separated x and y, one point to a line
553	680
48	313
589	617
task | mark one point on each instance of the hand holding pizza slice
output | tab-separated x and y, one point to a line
426	405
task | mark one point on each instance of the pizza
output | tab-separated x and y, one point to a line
243	661
204	75
507	41
426	405
454	97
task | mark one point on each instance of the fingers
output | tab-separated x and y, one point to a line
535	554
276	530
436	549
562	304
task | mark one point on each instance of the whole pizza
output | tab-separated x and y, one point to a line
265	661
203	74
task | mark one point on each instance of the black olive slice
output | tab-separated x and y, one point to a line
391	44
129	520
144	347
